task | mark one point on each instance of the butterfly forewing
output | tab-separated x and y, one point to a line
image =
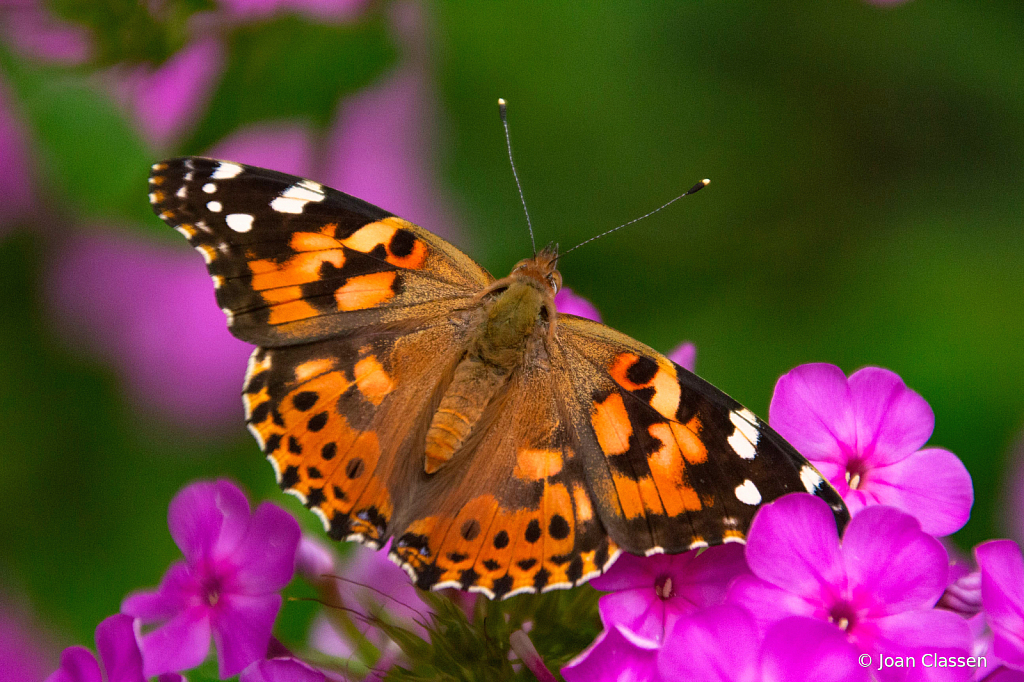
594	444
294	261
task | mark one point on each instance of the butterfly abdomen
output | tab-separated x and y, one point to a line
497	347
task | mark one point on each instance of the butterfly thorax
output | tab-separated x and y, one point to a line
517	318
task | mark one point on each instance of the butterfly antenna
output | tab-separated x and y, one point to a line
508	142
693	190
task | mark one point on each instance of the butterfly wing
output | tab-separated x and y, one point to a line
294	261
673	463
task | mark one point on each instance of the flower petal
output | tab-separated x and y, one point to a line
178	588
313	559
115	640
892	420
1002	593
616	655
265	558
568	302
769	604
719	644
208	520
932	484
281	670
799	649
684	355
180	644
171	97
919	635
241	629
794	544
638	609
812	409
77	664
892	564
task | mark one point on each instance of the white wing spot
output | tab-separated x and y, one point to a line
810	478
239	222
226	171
747	493
214	206
231	318
744	438
182	192
152	198
209	188
295	198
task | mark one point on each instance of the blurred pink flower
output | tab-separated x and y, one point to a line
166	100
382	148
568	302
370	586
684	355
25	654
149	311
15	166
320	9
35	33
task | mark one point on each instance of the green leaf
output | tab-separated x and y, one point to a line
87	150
292	68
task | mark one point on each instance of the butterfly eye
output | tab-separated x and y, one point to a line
555	280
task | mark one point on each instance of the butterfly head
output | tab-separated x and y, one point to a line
541	271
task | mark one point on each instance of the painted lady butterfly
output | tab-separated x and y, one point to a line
401	392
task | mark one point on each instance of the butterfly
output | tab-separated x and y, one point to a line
401	392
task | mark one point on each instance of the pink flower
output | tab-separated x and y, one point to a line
649	594
16	175
370	586
227	586
684	355
864	434
878	587
281	670
721	644
166	100
119	652
149	310
25	652
1002	594
35	33
617	655
568	302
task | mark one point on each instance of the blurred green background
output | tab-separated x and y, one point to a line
865	209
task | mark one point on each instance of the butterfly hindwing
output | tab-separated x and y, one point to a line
295	261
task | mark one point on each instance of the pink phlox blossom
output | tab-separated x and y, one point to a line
865	434
236	562
878	587
119	654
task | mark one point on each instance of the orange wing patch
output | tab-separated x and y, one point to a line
633	372
611	425
396	236
365	291
316	452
